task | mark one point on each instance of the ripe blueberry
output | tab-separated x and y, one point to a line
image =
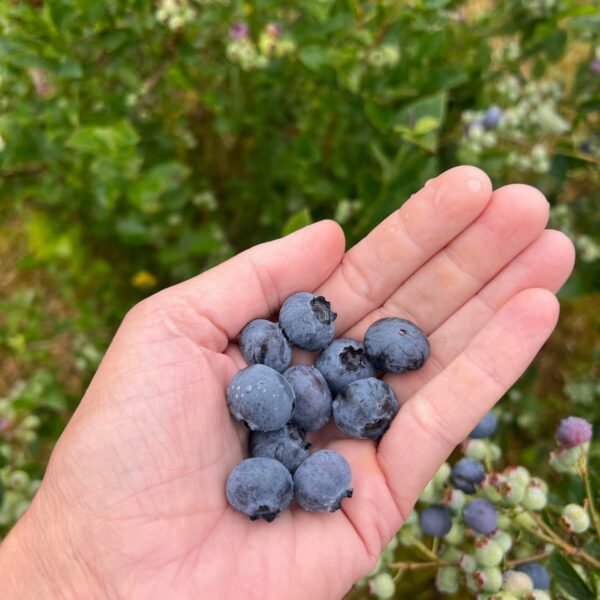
260	397
343	362
260	488
322	481
365	408
435	520
485	427
396	345
307	321
466	473
313	397
492	117
287	445
481	516
263	343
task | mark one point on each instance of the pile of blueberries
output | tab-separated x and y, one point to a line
280	403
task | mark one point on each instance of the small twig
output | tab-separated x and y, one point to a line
33	169
532	558
424	549
415	565
583	471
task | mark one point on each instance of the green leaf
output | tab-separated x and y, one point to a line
313	57
568	578
100	139
415	122
298	220
146	192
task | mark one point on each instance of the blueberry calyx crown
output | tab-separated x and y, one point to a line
352	358
322	309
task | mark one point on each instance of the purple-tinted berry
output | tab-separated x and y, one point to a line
343	362
396	345
239	31
322	481
595	66
365	408
260	397
287	445
435	520
262	343
573	431
260	488
481	516
313	397
492	117
307	321
485	427
466	473
537	573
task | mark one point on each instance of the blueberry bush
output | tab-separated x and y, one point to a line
144	141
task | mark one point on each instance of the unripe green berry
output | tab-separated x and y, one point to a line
393	544
382	586
517	582
535	498
447	580
502	595
454	499
515	493
476	449
539	482
412	518
31	422
495	452
456	534
566	460
468	563
575	518
524	519
450	553
488	553
440	478
18	480
488	579
378	566
518	474
503	539
429	495
407	535
504	522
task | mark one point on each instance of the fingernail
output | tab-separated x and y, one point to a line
475	185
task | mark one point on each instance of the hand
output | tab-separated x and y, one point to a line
133	504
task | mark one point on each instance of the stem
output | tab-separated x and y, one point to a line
424	549
435	545
552	538
415	566
535	557
585	476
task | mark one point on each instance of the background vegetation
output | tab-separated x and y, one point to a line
142	142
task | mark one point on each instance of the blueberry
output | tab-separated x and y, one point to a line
313	397
260	397
485	427
263	343
365	408
481	516
307	321
396	345
466	473
343	362
537	573
287	445
260	488
573	431
492	117
322	481
435	520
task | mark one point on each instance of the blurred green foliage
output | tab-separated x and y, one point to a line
142	142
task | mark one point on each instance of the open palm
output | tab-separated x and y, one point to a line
134	493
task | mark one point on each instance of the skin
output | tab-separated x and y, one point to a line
133	503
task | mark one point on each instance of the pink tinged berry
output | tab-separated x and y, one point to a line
595	66
573	431
239	31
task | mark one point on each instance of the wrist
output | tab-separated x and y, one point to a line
39	560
